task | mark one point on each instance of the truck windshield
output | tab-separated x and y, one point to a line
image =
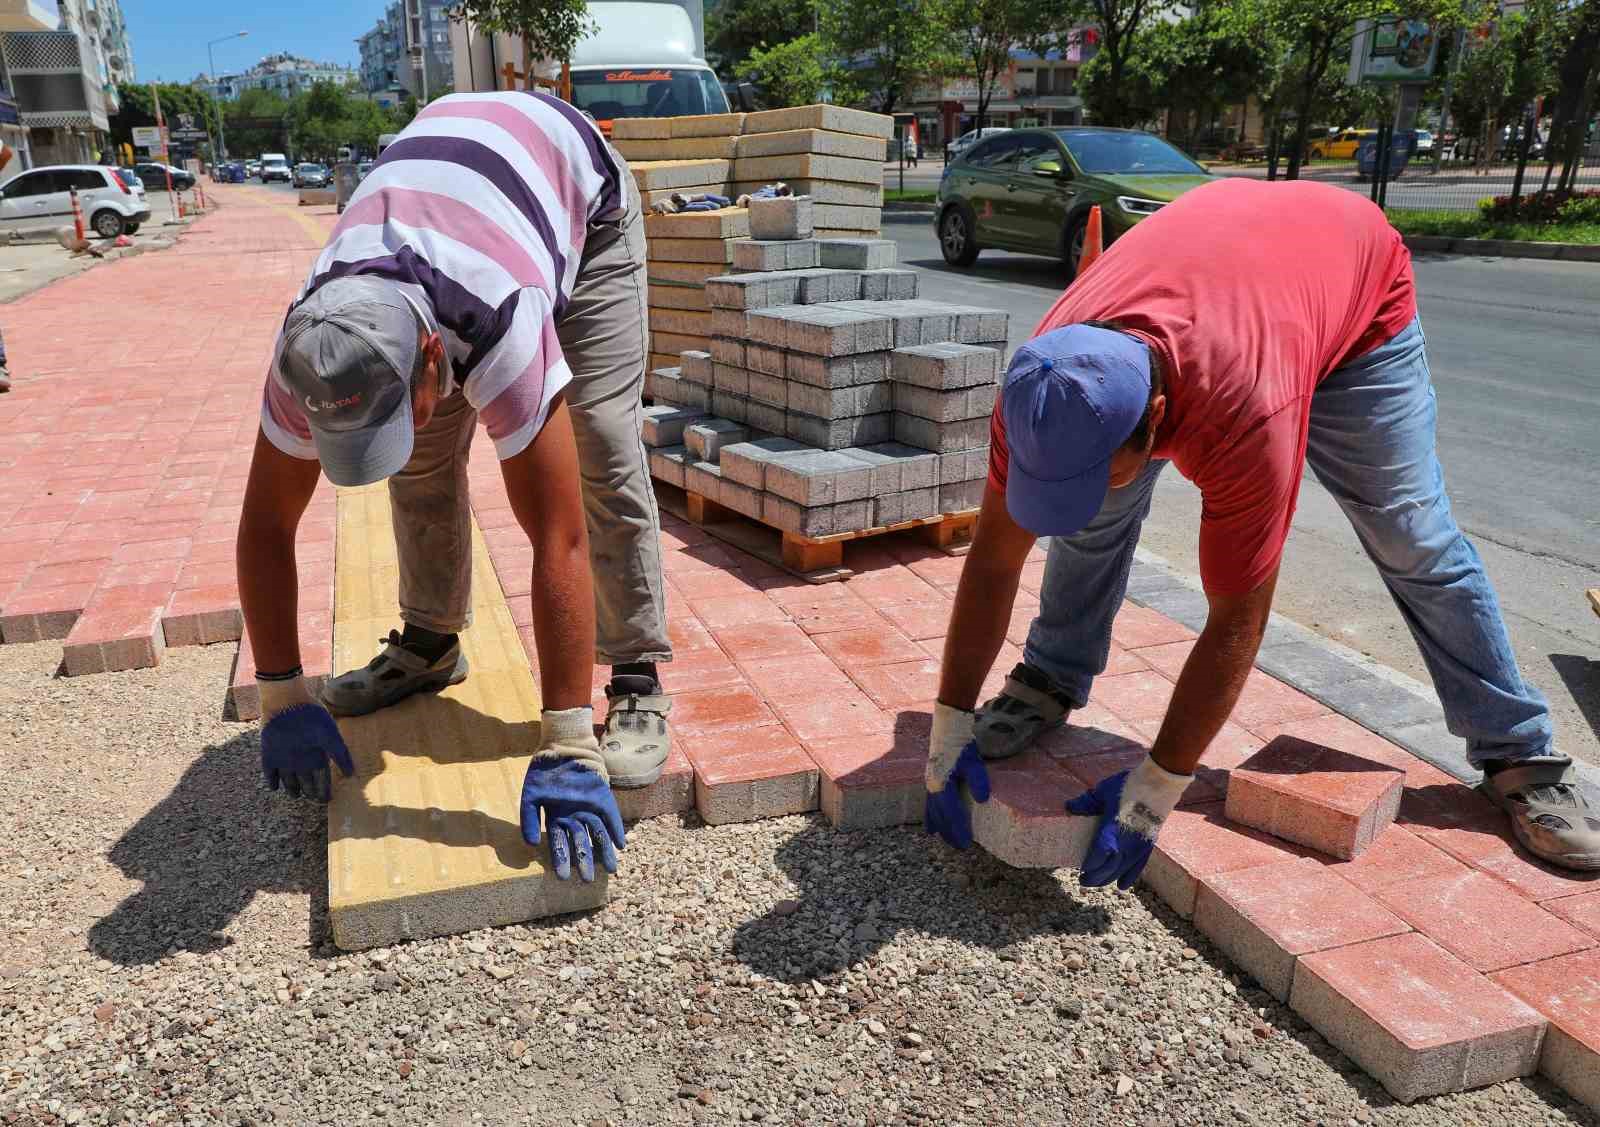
647	92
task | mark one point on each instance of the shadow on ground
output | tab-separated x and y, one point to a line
204	852
852	902
1582	678
1018	269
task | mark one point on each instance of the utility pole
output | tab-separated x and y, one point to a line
222	136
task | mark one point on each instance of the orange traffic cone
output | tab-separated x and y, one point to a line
1093	241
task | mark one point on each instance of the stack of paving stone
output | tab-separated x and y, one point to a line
831	400
685	250
832	154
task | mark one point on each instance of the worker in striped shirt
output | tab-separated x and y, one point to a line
490	268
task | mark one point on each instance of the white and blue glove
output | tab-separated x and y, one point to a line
299	739
952	761
567	783
1131	805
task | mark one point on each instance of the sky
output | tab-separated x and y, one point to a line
169	36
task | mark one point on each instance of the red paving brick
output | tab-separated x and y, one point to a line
1566	991
1265	918
1396	857
763	641
1418	1019
902	685
876	779
1197	842
1481	921
1133	696
124	484
749	773
1582	911
1136	627
1487	844
1321	797
1025	822
856	649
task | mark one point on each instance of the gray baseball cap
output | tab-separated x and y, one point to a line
349	356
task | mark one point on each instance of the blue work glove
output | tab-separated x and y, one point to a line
1131	806
566	783
952	760
296	745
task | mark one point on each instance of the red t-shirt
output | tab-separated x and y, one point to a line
1250	293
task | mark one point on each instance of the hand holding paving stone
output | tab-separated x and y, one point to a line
953	760
1131	805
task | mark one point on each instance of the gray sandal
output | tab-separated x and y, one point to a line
396	673
637	737
1550	814
1021	713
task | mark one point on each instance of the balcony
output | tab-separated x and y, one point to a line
52	88
29	15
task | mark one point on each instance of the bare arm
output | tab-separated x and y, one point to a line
984	598
543	485
275	498
1213	677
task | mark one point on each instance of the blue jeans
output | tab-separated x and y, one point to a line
1371	445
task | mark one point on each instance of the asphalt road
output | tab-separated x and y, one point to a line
1511	344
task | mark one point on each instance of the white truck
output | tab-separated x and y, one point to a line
644	59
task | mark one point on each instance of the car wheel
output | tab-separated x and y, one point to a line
107	224
957	237
130	228
1072	239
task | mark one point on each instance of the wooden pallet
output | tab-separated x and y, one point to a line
818	559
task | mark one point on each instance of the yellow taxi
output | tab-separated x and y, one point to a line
1341	144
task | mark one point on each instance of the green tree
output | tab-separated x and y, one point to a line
1579	73
888	46
796	73
1504	72
736	28
257	122
549	29
985	32
1120	23
138	108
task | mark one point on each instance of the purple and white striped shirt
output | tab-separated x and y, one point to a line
478	211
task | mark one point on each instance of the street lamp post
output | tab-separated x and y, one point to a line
222	136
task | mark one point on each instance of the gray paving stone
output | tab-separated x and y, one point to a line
726	350
1184	604
667	463
728	323
703	478
765	417
1432	742
786	217
835	434
817	477
941	438
959	496
897	467
752	291
836	371
823	330
976	325
740	497
963	465
731	378
858	254
910	504
888	285
837	403
663	425
821	520
944	406
822	285
1379	704
764	358
762	254
695	366
706	438
915	322
729	405
945	366
746	462
771	390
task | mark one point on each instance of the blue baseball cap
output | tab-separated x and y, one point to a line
1072	396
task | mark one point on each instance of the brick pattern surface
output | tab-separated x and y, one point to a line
1319	796
117	540
126	470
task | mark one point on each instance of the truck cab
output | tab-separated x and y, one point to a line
644	59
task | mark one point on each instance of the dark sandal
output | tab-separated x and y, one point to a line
1009	723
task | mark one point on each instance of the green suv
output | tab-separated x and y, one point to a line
1030	190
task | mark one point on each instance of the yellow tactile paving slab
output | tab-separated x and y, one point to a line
424	840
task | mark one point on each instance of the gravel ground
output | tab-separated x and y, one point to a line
167	961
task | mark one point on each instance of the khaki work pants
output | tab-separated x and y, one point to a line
605	338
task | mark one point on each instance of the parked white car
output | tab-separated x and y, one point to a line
41	197
970	138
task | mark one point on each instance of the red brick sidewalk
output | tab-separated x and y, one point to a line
125	441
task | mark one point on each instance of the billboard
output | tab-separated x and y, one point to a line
1393	49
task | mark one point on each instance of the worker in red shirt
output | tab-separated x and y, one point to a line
1239	333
